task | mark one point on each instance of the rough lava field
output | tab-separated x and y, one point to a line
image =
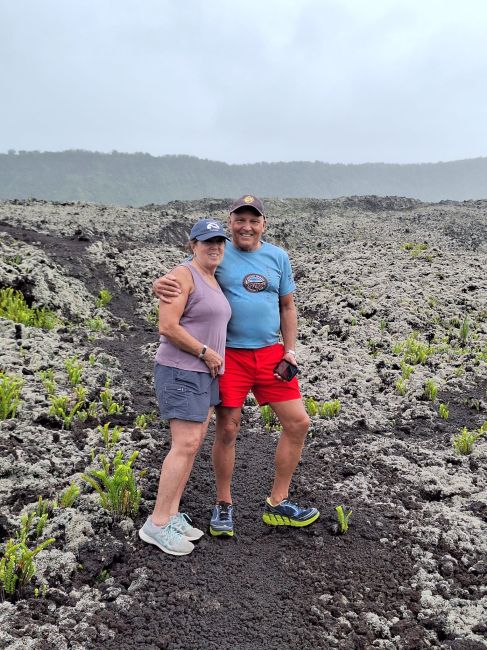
392	299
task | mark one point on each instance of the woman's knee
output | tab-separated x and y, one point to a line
226	433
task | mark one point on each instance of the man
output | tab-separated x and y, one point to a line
257	280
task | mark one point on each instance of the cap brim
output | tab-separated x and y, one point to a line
237	206
210	235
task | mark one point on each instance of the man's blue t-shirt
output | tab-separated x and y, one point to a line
252	282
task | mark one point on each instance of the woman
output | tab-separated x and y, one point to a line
188	362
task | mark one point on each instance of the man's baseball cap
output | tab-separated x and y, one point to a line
206	229
248	201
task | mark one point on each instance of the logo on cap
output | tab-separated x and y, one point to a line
212	226
249	199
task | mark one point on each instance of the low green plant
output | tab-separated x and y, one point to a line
271	420
153	316
103	575
401	386
10	391
69	496
415	249
64	408
443	411
110	436
311	406
415	352
343	516
430	390
116	485
329	409
74	369
92	359
96	324
14	260
17	567
14	307
464	442
383	325
406	370
109	405
48	381
143	420
104	298
465	331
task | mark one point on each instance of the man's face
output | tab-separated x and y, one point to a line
246	226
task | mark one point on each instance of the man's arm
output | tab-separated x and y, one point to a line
289	325
167	288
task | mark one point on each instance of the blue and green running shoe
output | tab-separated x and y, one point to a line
221	523
288	514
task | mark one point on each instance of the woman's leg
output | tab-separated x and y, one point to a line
176	468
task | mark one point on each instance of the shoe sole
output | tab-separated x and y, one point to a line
143	536
272	519
221	533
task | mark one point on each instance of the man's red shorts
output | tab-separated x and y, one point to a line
253	370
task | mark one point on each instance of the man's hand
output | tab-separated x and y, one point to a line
213	360
166	288
289	356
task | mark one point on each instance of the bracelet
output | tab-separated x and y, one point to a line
291	352
203	352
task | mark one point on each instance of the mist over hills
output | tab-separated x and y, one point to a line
139	179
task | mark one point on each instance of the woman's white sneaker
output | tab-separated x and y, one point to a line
167	538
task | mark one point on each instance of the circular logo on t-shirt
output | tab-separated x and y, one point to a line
254	282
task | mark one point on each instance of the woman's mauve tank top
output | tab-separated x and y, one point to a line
205	317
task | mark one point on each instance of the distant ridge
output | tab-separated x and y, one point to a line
138	179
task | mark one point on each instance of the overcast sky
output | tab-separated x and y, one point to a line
239	81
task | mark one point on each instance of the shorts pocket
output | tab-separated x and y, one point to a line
189	381
174	396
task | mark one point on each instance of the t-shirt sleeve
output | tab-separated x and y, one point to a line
287	284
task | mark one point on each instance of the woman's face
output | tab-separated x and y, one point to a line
209	253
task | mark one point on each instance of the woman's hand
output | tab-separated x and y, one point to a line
167	288
214	361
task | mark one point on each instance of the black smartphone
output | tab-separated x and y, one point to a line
286	370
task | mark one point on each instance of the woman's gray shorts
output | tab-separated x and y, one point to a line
185	394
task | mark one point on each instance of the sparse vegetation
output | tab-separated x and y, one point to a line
443	411
110	436
10	391
270	418
464	442
116	485
104	298
13	306
343	516
74	369
430	390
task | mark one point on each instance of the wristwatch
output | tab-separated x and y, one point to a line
203	352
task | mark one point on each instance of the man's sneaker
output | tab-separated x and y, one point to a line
288	514
182	523
221	523
167	538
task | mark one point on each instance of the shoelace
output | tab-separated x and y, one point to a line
224	513
181	520
171	533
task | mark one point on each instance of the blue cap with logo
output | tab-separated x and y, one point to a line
206	229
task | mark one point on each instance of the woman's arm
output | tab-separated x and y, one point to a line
169	323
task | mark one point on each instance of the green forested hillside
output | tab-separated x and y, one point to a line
138	179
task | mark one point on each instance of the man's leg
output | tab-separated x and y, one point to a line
223	454
295	424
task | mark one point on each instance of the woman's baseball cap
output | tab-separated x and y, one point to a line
206	229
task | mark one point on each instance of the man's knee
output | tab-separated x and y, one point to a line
297	428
